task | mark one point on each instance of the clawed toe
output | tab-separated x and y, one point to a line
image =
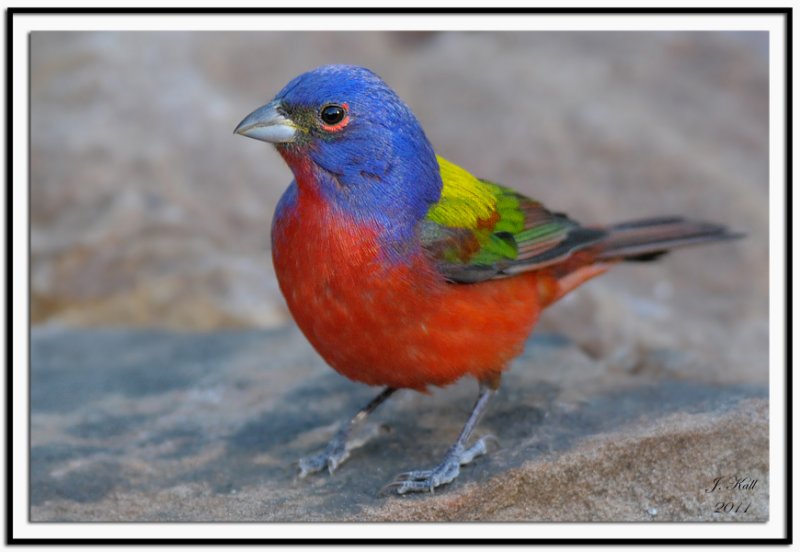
423	480
403	487
331	458
415	474
339	447
318	462
309	465
445	472
336	452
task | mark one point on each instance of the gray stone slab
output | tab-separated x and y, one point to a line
162	426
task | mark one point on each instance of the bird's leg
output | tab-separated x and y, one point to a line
338	448
457	455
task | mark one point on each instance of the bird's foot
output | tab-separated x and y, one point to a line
336	452
329	458
447	470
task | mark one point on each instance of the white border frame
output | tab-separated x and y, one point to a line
25	23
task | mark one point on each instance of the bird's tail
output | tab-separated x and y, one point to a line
648	239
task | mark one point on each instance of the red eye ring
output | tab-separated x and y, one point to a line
334	117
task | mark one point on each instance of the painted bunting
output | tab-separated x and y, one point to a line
404	270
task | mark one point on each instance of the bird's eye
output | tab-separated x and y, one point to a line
332	114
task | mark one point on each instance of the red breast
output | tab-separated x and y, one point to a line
393	323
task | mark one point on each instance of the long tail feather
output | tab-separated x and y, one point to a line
648	239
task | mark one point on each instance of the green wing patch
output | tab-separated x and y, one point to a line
480	230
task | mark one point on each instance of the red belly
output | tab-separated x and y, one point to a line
398	324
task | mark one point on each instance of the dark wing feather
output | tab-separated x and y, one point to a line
520	235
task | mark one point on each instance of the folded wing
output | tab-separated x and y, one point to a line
480	230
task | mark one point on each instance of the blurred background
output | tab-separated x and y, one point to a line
147	211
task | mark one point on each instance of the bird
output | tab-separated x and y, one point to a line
403	269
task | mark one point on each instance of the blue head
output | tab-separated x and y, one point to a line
367	151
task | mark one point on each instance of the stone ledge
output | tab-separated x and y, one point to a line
161	426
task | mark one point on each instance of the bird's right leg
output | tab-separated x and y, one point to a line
338	448
458	455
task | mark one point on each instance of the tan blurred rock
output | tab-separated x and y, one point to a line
147	211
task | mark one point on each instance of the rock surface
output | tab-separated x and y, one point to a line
159	426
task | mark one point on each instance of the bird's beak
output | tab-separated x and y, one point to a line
267	124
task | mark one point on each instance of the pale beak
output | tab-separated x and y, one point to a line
267	124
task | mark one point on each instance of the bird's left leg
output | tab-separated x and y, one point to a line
338	448
458	455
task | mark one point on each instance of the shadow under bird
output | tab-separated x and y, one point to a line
404	270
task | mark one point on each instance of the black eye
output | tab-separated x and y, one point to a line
332	114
